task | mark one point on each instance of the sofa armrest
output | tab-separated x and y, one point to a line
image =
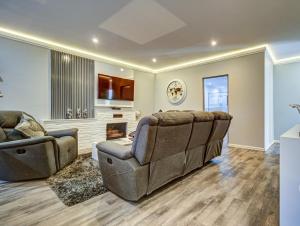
119	151
61	133
25	142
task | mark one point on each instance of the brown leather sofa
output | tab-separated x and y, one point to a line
33	158
167	146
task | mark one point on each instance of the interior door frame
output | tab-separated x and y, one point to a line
203	87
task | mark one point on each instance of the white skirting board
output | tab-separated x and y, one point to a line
252	147
246	147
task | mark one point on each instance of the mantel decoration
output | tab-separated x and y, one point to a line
69	114
176	91
1	80
79	114
85	113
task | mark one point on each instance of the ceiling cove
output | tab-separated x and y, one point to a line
125	24
46	43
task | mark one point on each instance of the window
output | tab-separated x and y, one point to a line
215	93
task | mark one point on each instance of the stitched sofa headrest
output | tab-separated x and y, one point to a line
172	111
220	115
180	110
9	119
200	116
173	118
148	120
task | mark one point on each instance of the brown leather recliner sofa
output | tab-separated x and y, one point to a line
167	146
33	158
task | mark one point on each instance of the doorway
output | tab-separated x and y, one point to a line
215	93
215	96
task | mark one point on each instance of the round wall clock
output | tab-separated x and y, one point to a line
176	91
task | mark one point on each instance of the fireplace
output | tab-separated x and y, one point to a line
116	130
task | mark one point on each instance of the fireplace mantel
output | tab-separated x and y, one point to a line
93	130
70	120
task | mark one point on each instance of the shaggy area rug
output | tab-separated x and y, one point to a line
78	182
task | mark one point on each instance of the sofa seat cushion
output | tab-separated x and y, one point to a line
200	116
3	136
120	151
67	150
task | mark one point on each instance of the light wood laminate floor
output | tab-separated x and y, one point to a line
239	188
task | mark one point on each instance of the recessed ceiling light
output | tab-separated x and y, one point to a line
213	43
95	40
122	69
154	60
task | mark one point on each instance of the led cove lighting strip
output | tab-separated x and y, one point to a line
288	60
35	40
55	45
214	58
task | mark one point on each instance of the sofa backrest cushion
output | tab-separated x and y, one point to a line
173	133
168	158
144	139
202	126
221	125
9	119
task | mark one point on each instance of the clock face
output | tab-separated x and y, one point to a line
176	91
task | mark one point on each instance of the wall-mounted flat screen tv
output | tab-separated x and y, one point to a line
115	88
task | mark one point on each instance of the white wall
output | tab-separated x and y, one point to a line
144	92
269	105
25	71
108	69
286	91
143	87
246	94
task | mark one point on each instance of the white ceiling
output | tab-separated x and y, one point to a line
126	22
178	30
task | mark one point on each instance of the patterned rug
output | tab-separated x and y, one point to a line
78	182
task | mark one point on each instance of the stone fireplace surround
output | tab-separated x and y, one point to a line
93	130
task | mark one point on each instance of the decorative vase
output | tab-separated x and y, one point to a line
78	113
69	114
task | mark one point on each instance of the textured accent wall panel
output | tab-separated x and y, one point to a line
72	84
